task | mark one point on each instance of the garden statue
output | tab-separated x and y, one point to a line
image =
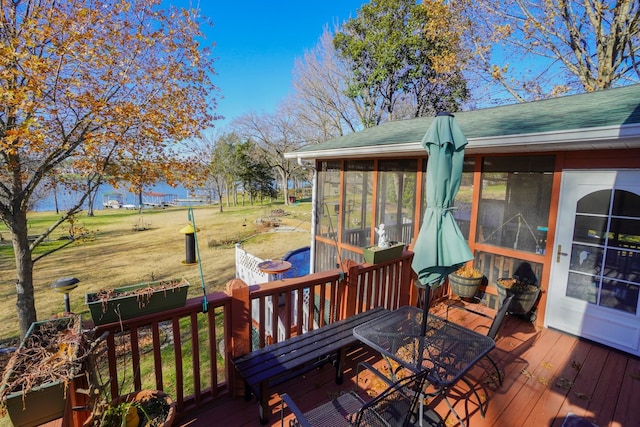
383	240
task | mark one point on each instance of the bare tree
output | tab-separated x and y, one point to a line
274	134
319	100
531	50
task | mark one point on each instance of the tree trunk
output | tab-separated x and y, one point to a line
219	190
55	197
285	185
25	303
90	202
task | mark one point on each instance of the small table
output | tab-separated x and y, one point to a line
447	350
274	267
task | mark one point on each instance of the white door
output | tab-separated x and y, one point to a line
595	274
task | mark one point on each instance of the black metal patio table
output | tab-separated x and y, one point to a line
447	350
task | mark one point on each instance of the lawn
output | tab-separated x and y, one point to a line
116	254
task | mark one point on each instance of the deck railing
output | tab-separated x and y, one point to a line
187	353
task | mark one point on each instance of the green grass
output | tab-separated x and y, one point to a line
116	255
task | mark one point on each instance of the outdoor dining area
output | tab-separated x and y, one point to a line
375	344
543	377
419	365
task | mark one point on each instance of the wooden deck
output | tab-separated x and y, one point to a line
547	376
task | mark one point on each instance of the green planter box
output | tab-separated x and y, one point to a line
375	255
127	304
45	402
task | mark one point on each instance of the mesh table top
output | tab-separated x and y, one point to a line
447	350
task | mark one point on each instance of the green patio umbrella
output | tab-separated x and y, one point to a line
440	248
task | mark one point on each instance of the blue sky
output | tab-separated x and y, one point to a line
257	43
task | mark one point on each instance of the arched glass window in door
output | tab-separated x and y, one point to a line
605	253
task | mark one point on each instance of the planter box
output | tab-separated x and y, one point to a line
43	403
375	255
131	304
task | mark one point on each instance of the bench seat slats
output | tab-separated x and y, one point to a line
281	357
288	358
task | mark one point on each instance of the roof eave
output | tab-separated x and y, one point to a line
608	137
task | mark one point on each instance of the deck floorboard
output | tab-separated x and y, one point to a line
547	376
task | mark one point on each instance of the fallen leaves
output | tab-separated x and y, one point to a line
564	383
527	374
543	381
582	396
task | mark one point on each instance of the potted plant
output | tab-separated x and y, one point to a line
35	380
148	408
384	251
464	281
127	302
376	255
525	294
142	408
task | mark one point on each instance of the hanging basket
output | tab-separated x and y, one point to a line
464	287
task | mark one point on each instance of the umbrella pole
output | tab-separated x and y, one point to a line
423	327
427	297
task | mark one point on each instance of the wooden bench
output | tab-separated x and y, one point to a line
284	360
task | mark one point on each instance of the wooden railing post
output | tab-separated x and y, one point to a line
239	337
408	291
349	288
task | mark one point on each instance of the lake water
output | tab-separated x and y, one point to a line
67	200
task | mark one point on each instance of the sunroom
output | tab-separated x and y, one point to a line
549	192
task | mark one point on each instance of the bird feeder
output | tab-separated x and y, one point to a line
190	244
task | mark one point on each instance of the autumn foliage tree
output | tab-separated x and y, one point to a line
85	87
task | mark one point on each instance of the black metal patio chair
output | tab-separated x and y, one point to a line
401	404
496	322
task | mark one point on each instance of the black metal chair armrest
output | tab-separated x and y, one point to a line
300	418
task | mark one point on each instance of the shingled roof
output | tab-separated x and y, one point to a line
604	119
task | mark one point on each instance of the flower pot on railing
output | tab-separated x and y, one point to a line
525	295
376	255
35	380
128	302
